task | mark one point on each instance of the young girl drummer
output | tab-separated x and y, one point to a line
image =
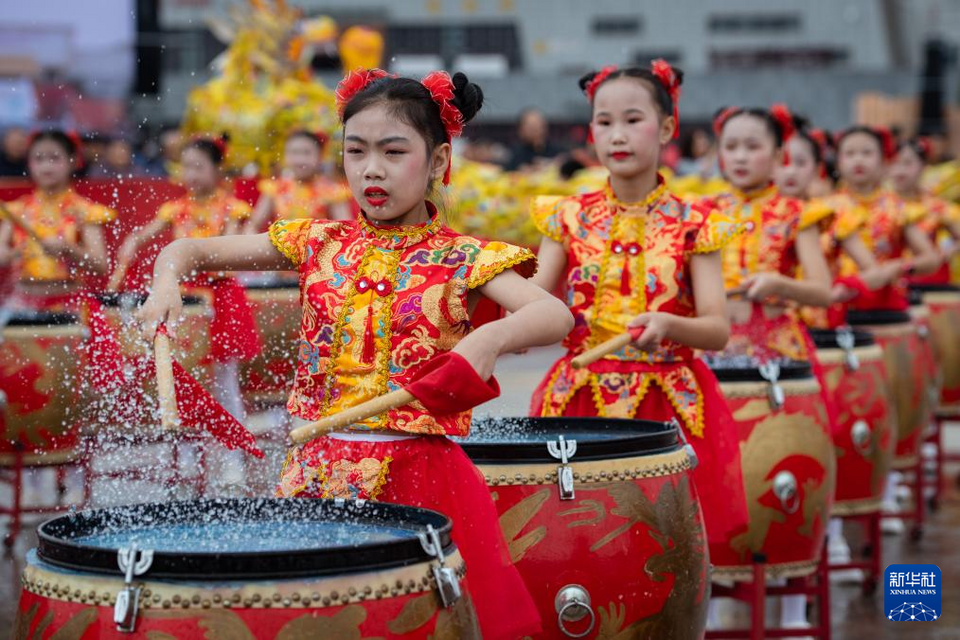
635	255
382	296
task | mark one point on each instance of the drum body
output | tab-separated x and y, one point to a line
41	382
267	378
351	570
910	375
866	434
626	529
191	348
789	470
944	304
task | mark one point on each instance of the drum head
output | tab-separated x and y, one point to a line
747	369
225	539
35	318
524	439
827	338
935	288
877	317
134	299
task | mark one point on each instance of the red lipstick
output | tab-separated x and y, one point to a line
376	196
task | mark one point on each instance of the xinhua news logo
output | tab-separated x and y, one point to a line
911	592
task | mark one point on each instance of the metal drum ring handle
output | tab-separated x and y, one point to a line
563	611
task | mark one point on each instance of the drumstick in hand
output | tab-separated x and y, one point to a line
169	417
116	278
347	417
19	223
603	349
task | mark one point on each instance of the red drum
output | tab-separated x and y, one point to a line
944	304
602	520
789	468
42	387
865	435
191	348
267	378
281	569
909	373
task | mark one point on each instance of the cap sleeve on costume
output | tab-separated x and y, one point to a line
816	212
239	209
849	222
290	238
496	257
716	232
547	214
267	187
168	211
914	213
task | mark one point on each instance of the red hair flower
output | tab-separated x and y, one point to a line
440	86
668	78
782	116
721	120
594	84
888	142
353	83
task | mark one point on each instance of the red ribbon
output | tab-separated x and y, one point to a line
353	83
668	78
591	89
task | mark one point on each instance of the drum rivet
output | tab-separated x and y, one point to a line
287	602
345	599
185	604
267	604
176	599
247	602
92	595
217	598
603	474
256	597
326	601
156	597
335	595
517	477
503	478
166	604
352	591
367	590
236	597
533	477
384	589
147	593
277	597
295	597
195	599
205	604
315	596
227	604
394	592
76	594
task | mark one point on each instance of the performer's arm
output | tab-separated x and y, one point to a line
926	258
551	261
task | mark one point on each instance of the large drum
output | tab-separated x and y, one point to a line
41	386
909	374
602	520
789	468
191	348
866	433
283	569
944	304
268	377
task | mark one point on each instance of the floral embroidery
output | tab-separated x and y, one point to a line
364	479
379	302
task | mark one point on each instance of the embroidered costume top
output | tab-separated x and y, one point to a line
770	223
932	214
624	259
203	218
61	216
294	199
377	304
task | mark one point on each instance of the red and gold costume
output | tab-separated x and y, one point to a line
293	199
378	303
935	216
233	330
61	216
770	223
624	259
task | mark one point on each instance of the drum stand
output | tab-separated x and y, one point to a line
13	474
755	594
872	550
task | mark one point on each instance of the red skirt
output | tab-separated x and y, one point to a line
718	476
233	330
433	473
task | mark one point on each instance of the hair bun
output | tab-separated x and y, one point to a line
585	80
467	96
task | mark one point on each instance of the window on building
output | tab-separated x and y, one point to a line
753	22
449	41
617	25
642	58
794	58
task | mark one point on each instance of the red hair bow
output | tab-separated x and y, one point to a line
721	120
353	83
888	142
594	84
440	86
668	78
781	114
925	147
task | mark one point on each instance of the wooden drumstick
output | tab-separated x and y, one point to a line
612	345
19	223
116	278
169	416
354	414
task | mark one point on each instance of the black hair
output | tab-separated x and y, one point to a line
316	138
803	130
920	146
861	128
660	94
213	149
686	140
410	101
725	114
68	144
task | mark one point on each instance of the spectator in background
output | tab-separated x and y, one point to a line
13	154
698	152
94	156
534	146
118	158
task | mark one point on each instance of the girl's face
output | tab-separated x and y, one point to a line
794	179
387	164
906	170
628	129
301	157
748	152
859	160
50	165
200	174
